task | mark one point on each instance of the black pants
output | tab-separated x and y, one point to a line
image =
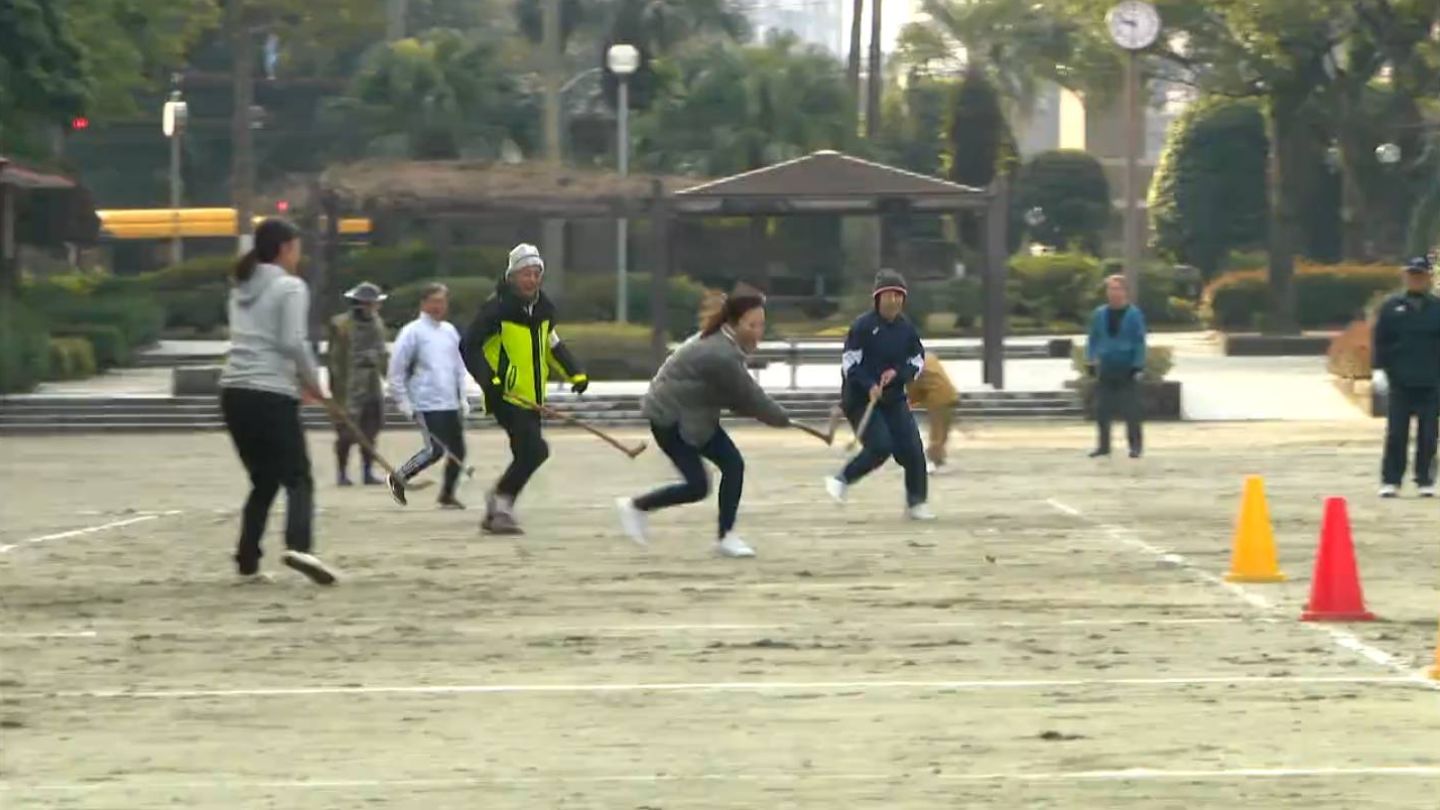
267	433
892	432
371	417
528	449
1423	404
721	452
1118	393
441	430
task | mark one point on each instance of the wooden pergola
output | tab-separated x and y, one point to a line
831	183
823	183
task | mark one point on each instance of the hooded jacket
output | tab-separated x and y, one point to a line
268	334
703	377
511	347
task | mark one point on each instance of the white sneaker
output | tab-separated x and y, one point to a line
836	488
919	512
1427	491
733	546
1389	491
311	566
632	521
931	468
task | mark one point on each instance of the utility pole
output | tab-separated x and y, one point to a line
552	239
395	20
877	71
852	73
242	143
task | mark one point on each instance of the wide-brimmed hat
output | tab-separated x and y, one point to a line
366	293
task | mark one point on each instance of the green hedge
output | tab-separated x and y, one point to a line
611	351
592	298
71	358
1058	287
111	347
24	347
1326	295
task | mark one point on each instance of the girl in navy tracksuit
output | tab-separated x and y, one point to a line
883	354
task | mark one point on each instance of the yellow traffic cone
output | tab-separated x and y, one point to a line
1252	559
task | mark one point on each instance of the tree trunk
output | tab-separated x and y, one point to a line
1284	128
852	74
242	141
877	73
1353	225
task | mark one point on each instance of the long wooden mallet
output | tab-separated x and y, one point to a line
338	414
828	437
864	422
632	452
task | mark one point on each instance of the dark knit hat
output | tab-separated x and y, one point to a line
1419	264
890	281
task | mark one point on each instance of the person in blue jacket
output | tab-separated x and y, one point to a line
1115	354
883	354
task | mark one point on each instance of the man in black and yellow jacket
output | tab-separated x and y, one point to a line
510	349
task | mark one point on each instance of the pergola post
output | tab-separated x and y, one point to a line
996	253
9	270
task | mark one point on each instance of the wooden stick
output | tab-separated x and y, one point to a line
632	452
828	437
338	414
864	422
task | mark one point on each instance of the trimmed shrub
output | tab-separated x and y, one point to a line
189	274
1060	287
24	347
1159	360
1349	355
202	308
612	351
592	298
1327	295
1070	187
111	349
71	358
466	296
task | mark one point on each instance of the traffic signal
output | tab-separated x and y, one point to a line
78	123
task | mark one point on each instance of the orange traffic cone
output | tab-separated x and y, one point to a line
1335	594
1252	558
1435	670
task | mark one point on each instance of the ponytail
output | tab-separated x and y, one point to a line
270	236
734	307
245	267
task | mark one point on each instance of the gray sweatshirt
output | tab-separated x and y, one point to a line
703	377
268	348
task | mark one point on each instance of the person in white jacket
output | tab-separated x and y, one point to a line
427	382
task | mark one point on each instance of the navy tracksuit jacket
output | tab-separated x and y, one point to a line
874	346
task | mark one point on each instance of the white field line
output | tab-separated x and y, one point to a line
5	549
1340	637
722	686
299	629
1122	775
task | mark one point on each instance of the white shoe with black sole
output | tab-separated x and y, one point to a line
311	566
1427	491
1389	491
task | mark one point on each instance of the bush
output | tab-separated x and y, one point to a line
612	351
24	347
1208	197
189	274
466	296
71	358
1167	293
1327	295
202	308
111	349
1159	360
1069	186
1055	287
592	298
1349	354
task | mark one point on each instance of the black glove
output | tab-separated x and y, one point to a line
580	384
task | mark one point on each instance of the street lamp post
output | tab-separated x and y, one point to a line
172	122
623	60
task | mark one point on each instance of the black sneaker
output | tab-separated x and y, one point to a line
311	566
449	502
397	488
342	480
1099	453
1134	454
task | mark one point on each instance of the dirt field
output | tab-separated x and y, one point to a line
860	661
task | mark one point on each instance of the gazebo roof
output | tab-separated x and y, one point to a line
17	175
826	182
468	187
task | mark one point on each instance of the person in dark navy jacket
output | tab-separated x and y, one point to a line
883	354
1406	350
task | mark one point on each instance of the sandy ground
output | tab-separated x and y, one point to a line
860	661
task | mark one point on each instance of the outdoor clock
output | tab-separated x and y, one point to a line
1133	24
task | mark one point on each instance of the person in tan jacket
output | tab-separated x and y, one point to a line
934	392
356	360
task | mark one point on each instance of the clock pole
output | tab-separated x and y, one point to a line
1132	158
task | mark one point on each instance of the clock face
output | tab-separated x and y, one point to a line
1133	24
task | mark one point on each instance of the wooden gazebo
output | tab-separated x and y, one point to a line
832	183
60	210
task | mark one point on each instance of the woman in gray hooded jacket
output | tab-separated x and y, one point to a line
702	378
269	368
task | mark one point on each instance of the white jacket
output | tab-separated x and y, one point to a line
426	372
